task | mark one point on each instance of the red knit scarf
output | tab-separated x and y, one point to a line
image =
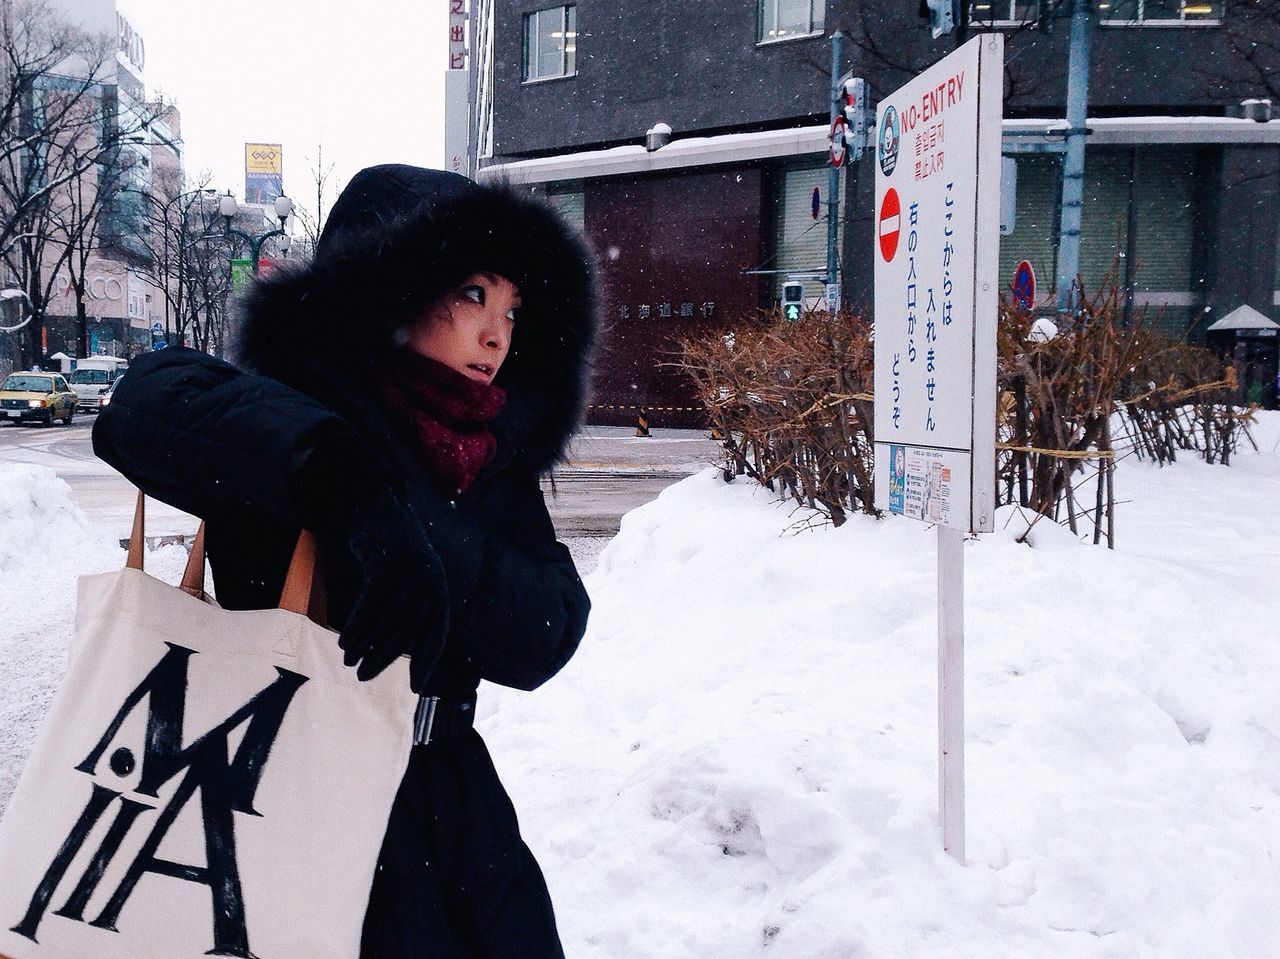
446	414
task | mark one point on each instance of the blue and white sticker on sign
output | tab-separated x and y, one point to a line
897	478
888	141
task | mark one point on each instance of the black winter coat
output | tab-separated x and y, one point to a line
230	445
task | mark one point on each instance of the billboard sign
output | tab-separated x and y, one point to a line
936	289
263	172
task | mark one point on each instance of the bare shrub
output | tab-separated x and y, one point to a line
793	404
1058	389
792	401
1184	398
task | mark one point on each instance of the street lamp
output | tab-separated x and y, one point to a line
228	208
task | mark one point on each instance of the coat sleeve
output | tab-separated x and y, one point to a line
198	433
519	606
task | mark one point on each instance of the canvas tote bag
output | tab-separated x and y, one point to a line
206	782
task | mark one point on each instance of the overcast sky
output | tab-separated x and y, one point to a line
367	78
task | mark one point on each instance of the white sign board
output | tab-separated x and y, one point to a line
936	289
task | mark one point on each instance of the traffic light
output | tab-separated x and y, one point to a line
792	299
942	15
853	98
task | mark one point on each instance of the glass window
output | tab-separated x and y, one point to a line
550	43
1162	12
28	384
800	239
787	19
1169	202
1035	233
571	203
1004	11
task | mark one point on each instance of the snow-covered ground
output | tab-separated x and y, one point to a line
741	759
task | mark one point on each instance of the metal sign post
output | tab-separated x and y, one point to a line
936	299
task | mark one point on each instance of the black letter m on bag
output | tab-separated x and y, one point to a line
227	785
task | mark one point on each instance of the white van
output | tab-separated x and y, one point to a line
91	378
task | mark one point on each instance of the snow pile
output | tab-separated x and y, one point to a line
741	759
46	543
38	521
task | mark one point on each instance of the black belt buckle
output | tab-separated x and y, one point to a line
438	717
424	718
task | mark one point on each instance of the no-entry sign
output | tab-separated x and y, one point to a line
1024	285
890	221
938	181
936	290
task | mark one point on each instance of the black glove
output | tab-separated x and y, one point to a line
403	602
347	493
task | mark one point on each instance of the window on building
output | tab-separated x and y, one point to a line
569	200
1170	199
799	239
1160	12
550	43
787	19
1004	11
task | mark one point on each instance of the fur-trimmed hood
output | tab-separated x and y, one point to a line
397	239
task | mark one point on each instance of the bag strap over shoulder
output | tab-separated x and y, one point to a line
303	592
192	575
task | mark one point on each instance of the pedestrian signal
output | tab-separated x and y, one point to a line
792	299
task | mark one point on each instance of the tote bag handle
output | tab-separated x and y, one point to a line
303	591
192	575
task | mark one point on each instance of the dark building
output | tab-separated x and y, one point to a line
1182	178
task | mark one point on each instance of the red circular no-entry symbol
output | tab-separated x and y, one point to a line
889	224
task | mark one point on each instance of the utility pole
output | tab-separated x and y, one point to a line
833	172
1073	162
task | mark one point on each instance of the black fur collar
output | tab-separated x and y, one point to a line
324	326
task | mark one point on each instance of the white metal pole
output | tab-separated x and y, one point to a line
951	689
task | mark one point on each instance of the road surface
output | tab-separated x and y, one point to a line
610	472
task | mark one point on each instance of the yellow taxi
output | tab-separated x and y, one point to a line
36	397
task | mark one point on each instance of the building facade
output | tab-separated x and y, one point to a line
1182	182
123	303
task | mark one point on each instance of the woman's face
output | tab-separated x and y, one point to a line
470	328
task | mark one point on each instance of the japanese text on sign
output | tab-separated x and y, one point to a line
457	35
934	305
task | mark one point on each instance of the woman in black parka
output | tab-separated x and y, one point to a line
366	408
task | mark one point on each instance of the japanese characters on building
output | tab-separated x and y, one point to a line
667	310
457	35
937	182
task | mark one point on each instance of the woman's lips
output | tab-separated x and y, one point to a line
484	369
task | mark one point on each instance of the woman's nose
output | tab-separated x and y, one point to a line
496	336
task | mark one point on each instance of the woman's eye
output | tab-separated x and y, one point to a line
511	315
474	293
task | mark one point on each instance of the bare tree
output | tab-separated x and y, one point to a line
1251	30
79	216
60	120
311	219
204	280
179	216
